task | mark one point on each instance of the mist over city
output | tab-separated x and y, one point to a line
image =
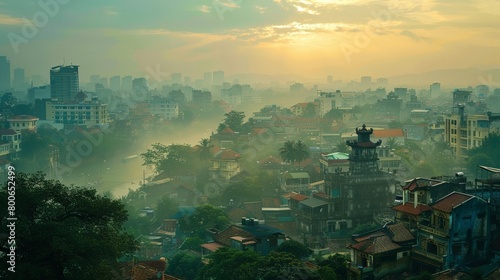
238	139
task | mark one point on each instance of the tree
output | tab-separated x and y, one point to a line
287	152
309	111
233	120
205	152
489	147
295	248
334	114
63	232
184	265
204	217
338	263
7	100
392	143
169	159
301	151
228	264
192	243
342	147
165	208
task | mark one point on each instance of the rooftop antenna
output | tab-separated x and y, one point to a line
64	61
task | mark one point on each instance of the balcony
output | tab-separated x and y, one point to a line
435	231
428	255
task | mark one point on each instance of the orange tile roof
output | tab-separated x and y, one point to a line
447	203
227	155
226	130
212	247
408	208
383	133
299	197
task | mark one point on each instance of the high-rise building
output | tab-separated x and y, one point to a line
435	90
187	81
19	80
461	96
366	81
176	78
104	82
4	73
218	77
64	82
139	86
382	82
115	83
207	79
127	83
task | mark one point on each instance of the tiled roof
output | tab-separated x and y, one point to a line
224	237
410	209
270	162
447	203
22	117
299	197
212	247
8	132
271	202
421	183
383	133
226	130
227	155
376	245
399	233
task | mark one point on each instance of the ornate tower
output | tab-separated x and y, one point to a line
363	157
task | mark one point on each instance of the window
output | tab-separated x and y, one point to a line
431	247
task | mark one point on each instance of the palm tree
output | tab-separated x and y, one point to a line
287	152
204	149
301	151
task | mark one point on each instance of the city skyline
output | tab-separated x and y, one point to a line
311	39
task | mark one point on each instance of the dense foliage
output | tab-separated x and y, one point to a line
63	232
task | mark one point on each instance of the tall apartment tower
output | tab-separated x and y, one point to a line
64	82
435	90
4	73
218	77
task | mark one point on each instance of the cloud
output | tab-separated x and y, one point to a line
204	9
260	9
9	20
414	36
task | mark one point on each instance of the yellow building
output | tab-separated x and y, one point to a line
465	132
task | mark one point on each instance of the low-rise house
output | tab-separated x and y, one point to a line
381	252
296	181
456	233
225	164
418	195
251	235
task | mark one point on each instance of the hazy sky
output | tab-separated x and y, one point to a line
343	38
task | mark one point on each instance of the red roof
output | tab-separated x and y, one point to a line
408	208
451	201
299	197
227	155
226	130
383	133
